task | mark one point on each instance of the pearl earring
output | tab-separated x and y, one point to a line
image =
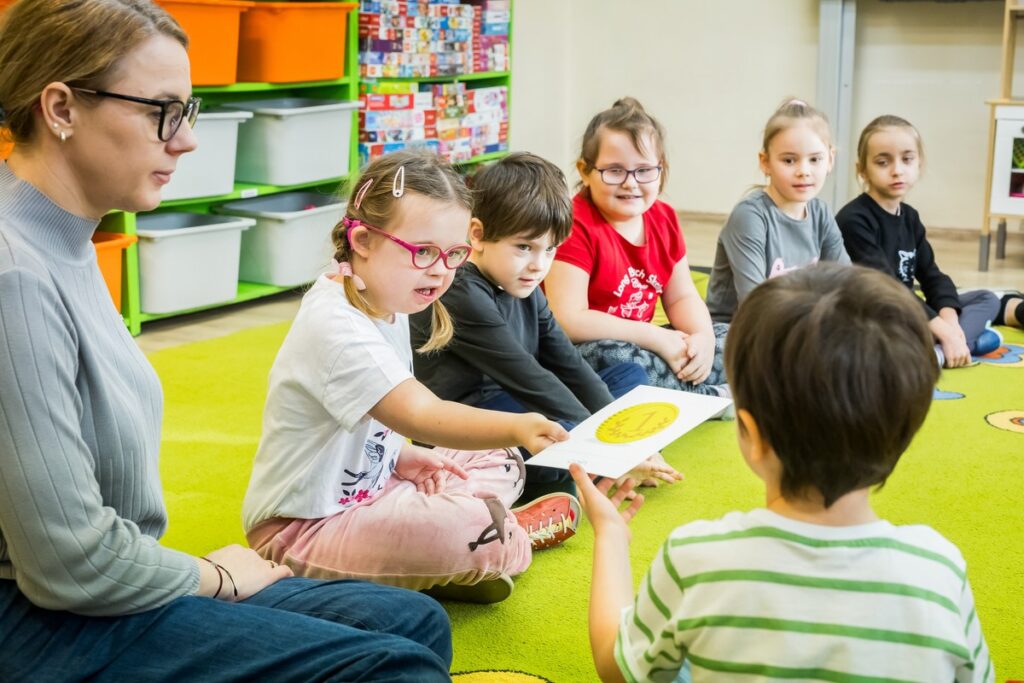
63	136
56	125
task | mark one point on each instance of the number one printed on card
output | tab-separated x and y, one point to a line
625	432
637	422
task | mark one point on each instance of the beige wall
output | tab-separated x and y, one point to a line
712	72
935	65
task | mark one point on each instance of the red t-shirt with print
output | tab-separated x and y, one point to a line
625	280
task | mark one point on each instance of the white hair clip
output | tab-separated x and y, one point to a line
398	184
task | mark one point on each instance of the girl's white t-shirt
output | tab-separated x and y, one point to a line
320	451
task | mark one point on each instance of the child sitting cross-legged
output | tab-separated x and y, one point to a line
832	371
882	231
508	352
336	490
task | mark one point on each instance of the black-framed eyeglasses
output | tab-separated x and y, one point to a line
172	112
617	176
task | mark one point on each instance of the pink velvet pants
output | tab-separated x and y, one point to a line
402	537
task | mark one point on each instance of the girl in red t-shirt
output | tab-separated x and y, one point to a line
625	252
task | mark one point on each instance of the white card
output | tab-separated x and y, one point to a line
630	429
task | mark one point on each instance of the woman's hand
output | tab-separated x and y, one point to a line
700	356
653	470
243	570
425	467
602	506
535	432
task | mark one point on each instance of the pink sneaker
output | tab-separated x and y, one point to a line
549	520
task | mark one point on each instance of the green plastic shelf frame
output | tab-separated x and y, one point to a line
346	88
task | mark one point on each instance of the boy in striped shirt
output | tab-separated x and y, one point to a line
832	371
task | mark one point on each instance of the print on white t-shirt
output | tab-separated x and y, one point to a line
380	456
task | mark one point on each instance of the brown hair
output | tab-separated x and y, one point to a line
788	113
522	194
78	42
884	121
422	172
628	116
837	366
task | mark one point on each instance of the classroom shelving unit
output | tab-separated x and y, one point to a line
345	88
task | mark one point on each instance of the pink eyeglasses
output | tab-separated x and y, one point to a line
423	255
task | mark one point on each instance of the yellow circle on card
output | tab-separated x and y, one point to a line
637	422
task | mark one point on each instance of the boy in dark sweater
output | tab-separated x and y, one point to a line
508	352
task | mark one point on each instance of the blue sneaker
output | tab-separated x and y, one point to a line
987	342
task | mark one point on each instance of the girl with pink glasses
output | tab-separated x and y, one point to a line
337	491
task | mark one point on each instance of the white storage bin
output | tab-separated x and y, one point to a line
294	140
291	243
1008	162
188	260
210	170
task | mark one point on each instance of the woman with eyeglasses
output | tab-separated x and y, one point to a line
626	252
95	94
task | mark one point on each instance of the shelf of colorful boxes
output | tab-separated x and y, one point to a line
434	74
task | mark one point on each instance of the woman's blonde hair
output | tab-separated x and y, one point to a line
627	116
374	199
788	113
78	42
884	121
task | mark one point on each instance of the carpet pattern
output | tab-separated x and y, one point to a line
962	475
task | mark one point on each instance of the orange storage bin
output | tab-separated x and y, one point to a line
284	42
5	145
109	247
212	27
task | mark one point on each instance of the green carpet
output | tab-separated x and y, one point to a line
961	476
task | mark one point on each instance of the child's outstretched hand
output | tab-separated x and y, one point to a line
654	470
535	432
426	468
603	508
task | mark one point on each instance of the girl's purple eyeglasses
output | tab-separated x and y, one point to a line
423	255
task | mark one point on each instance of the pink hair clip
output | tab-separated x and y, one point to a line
362	192
344	269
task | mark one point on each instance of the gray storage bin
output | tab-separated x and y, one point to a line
291	242
188	260
294	140
210	169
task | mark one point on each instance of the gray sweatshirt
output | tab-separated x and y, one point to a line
81	506
759	242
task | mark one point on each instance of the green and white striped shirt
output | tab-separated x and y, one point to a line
759	597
